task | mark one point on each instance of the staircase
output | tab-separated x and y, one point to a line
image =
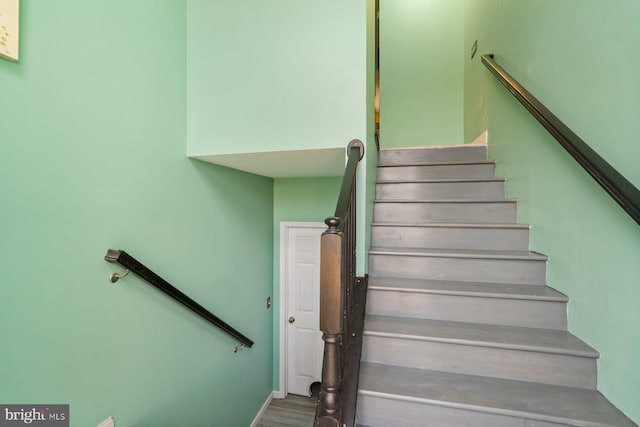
461	329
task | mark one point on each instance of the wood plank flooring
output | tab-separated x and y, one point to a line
294	411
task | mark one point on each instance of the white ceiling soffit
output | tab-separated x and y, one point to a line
285	164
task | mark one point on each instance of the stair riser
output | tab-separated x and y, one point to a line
380	411
465	212
432	155
464	190
471	171
572	371
463	269
451	237
497	311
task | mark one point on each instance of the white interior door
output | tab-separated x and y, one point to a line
302	316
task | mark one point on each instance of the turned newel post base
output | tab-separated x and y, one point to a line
330	393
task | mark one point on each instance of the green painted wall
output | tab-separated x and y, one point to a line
577	57
265	76
421	72
92	156
296	200
287	76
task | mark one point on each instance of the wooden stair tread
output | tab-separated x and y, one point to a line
475	334
443	163
438	181
461	201
477	289
453	225
533	401
459	253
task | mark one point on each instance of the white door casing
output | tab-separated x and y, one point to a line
301	345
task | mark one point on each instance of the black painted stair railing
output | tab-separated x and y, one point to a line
614	183
140	270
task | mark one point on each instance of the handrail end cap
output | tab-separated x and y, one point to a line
356	143
112	255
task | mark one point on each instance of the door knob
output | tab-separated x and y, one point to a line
292	319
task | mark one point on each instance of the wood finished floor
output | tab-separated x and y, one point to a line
294	411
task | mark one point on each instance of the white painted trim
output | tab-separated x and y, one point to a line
262	410
109	422
483	139
284	230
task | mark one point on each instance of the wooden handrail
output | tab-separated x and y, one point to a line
140	270
349	178
341	304
613	182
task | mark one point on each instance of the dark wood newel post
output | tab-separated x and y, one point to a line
337	278
331	321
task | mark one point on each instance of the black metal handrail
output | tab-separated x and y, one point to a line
613	182
342	300
140	270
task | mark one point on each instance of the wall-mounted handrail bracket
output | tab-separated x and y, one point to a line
114	277
134	266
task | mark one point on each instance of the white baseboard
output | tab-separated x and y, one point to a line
262	410
109	422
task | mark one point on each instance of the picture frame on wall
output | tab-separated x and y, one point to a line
9	29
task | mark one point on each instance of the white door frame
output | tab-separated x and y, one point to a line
284	232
